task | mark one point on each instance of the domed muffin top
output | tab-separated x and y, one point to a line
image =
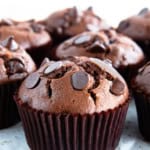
141	83
71	21
106	44
28	34
15	63
78	85
137	26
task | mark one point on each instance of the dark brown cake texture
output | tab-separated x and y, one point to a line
141	91
138	28
124	54
15	65
68	104
30	35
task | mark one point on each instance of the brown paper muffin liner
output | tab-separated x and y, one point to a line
8	110
39	53
99	131
143	112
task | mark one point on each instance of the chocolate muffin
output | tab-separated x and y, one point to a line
79	103
15	65
30	36
141	91
138	28
123	53
69	22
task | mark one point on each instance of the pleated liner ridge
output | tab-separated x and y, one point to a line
99	131
143	111
8	110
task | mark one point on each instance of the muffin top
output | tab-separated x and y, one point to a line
71	21
137	26
106	44
28	34
141	83
78	85
15	63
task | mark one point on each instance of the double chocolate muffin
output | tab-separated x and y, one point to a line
79	103
138	28
124	54
15	65
71	21
141	91
30	36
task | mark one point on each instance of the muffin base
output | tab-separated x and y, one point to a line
8	110
98	131
143	112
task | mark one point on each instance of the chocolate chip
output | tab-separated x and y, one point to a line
143	11
52	67
10	43
14	66
90	8
123	25
80	80
45	60
97	47
117	87
6	21
82	39
73	12
37	27
32	80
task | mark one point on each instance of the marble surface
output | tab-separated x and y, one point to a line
14	139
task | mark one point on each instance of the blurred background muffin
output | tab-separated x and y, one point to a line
124	54
141	92
138	28
69	22
30	35
15	65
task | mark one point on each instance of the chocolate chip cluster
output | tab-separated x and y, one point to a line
66	82
7	52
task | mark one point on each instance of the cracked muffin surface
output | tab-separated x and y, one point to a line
78	85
